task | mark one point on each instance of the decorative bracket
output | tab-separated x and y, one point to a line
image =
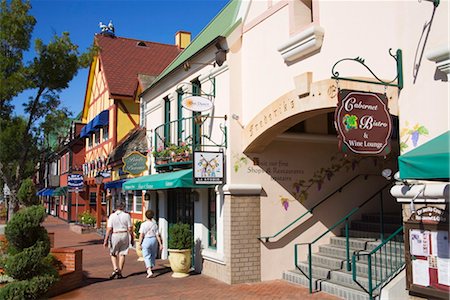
398	78
202	93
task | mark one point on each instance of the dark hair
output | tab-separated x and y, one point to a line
149	214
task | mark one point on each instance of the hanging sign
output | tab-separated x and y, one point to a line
208	167
75	181
363	123
134	163
197	103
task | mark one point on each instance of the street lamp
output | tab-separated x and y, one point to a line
99	180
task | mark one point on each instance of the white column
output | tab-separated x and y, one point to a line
163	223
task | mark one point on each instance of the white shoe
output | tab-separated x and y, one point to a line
149	273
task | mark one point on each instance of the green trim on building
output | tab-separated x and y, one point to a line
222	25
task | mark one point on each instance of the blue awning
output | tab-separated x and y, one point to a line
86	130
101	119
39	193
47	192
117	184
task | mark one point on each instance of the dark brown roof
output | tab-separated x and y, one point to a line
136	141
122	59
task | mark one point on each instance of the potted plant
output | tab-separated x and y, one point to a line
161	155
137	226
180	244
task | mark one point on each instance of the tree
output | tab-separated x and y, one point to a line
27	193
51	70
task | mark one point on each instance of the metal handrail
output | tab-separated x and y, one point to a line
309	211
344	219
390	269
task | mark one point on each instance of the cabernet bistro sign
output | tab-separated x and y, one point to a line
363	123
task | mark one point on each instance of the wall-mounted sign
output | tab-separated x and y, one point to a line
75	181
208	167
429	215
134	163
197	103
363	123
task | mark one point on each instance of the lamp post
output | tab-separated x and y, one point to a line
99	180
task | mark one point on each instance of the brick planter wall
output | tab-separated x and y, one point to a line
71	276
80	229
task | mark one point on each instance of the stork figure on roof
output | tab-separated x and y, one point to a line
107	29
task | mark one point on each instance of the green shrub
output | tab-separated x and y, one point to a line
27	289
28	261
180	237
27	193
137	226
87	218
24	229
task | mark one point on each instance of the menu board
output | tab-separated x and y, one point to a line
430	258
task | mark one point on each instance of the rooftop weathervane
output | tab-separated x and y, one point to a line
107	29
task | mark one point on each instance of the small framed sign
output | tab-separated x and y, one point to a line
208	167
197	103
134	163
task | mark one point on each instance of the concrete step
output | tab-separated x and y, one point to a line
373	227
342	291
385	256
325	285
355	243
317	271
388	218
362	234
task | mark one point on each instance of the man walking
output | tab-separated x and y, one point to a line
119	233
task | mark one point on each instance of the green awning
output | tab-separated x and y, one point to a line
60	191
169	180
429	161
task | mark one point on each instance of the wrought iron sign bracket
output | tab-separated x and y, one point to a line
211	95
397	81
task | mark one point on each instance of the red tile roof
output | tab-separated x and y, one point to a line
122	59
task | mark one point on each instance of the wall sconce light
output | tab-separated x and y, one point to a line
236	117
220	56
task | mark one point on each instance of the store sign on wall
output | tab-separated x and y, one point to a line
363	123
134	163
197	103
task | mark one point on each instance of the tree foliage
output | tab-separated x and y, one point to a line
52	68
27	193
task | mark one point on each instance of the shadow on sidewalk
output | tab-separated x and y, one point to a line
156	272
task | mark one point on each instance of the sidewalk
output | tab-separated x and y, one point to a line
97	268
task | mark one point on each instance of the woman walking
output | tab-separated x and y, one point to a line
150	241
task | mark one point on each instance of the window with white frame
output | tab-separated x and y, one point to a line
138	201
129	201
105	132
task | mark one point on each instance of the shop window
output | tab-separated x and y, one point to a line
105	132
179	116
212	219
92	198
138	201
90	139
97	137
167	121
196	127
129	202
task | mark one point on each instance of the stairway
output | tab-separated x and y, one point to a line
329	270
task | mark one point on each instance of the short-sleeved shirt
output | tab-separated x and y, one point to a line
149	228
119	221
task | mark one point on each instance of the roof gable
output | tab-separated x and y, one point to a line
122	59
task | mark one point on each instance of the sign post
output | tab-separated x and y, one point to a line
75	184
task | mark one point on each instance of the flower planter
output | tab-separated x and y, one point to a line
82	229
180	262
138	248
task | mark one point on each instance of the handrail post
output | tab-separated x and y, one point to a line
347	245
369	277
382	216
310	267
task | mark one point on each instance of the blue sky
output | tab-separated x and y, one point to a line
151	20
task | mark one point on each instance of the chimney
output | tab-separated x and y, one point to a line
182	39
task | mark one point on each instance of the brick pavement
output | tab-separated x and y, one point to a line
97	268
